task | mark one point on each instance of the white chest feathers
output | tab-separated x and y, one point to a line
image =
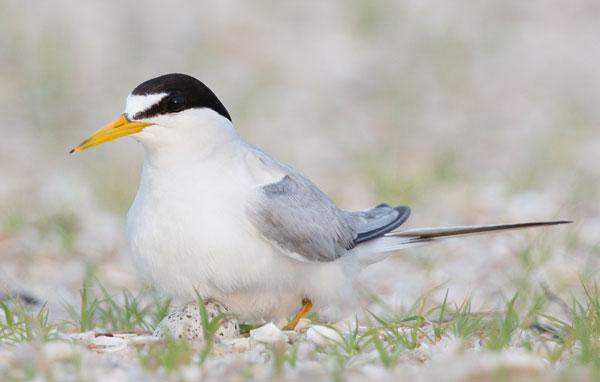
188	228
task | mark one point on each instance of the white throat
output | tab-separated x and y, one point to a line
186	137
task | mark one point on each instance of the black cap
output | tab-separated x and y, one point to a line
183	92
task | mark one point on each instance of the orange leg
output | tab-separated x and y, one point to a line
305	308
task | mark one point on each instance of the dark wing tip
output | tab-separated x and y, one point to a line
403	215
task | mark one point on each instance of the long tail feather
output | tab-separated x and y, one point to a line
442	232
378	249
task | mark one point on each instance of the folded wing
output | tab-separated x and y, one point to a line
294	215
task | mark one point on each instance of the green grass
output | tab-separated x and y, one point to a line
585	328
20	324
100	309
503	327
523	322
209	328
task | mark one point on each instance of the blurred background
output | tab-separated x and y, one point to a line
469	112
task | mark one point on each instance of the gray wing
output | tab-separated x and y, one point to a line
301	220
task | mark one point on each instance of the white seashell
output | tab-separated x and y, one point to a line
322	335
108	344
268	333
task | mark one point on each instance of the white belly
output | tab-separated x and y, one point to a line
188	232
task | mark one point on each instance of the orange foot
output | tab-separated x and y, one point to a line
305	308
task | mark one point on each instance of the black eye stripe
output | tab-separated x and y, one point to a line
153	111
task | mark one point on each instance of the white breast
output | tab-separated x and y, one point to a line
188	230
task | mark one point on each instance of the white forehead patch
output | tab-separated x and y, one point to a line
139	103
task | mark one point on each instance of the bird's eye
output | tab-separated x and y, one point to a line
175	104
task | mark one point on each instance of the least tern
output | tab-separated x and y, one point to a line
216	215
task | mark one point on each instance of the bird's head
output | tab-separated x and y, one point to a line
170	108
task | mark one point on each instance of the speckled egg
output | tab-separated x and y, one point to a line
185	322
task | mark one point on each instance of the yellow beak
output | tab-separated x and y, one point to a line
118	128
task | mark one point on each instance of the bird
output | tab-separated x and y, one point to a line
216	216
